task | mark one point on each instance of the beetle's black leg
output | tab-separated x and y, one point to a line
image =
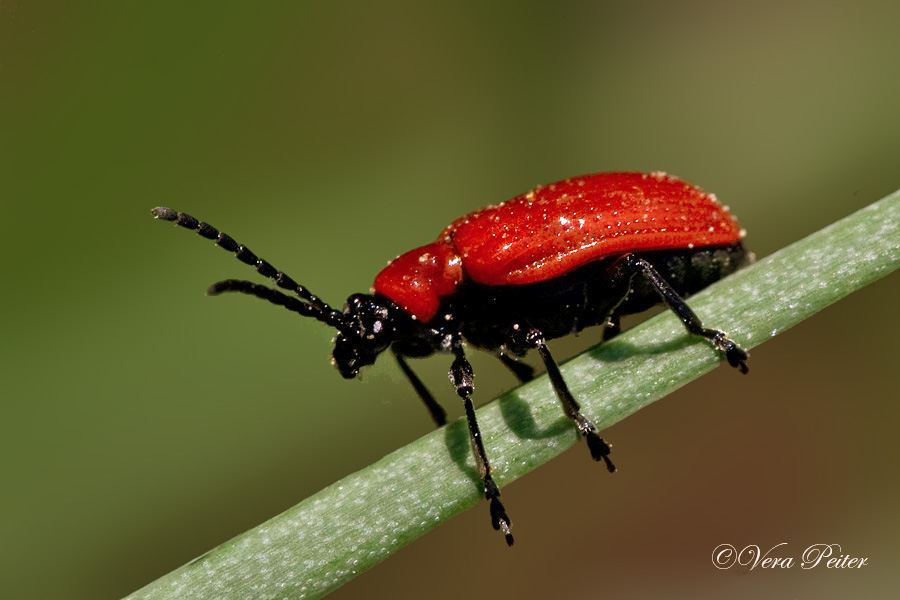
438	414
524	373
463	380
612	327
599	448
735	355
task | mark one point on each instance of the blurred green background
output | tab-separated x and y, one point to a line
143	423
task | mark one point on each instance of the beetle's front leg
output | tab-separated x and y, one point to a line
463	379
437	412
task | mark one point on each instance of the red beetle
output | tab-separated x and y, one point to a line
506	278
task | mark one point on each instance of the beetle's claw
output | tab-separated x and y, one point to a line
600	450
500	520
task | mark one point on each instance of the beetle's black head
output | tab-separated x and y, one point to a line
368	331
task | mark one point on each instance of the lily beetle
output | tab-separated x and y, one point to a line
505	279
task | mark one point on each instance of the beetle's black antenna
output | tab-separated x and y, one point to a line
332	318
313	307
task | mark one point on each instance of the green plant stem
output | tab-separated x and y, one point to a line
348	527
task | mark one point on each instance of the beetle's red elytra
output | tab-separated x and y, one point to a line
565	256
554	229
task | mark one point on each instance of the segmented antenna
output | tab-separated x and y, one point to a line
315	308
330	317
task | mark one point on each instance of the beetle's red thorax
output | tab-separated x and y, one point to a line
418	279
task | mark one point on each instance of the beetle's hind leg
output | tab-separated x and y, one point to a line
599	448
734	354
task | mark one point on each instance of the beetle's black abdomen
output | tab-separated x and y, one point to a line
687	271
587	296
